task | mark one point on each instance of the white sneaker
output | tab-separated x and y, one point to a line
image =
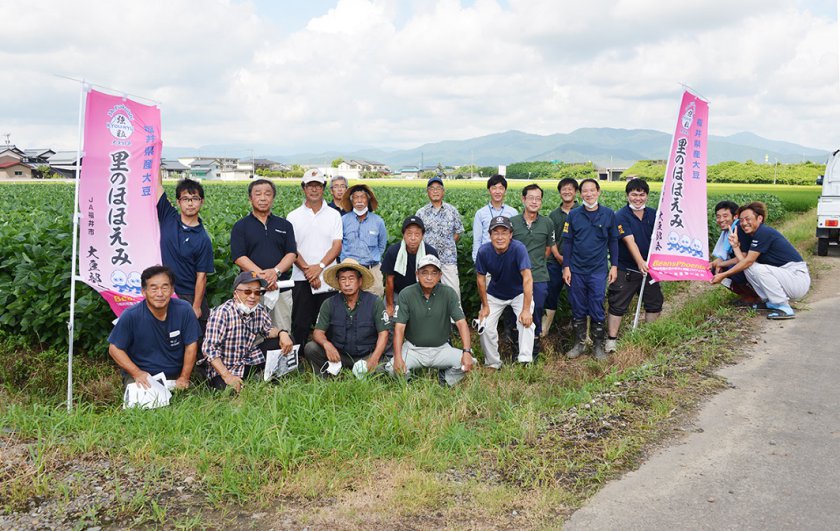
610	345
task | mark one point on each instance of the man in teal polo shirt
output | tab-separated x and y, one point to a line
421	332
536	232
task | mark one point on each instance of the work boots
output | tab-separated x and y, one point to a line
548	318
579	327
598	338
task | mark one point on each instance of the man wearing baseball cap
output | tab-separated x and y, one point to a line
421	332
400	262
352	325
236	332
318	234
365	236
507	263
443	230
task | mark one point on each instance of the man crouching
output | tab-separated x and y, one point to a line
421	332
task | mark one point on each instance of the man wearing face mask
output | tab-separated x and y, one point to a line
231	343
635	228
590	233
365	236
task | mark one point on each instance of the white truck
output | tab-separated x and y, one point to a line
828	207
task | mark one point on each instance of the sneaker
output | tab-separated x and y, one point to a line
610	345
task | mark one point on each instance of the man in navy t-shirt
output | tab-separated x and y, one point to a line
589	234
773	267
635	226
511	284
158	334
185	246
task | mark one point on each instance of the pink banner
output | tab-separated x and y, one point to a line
117	197
680	246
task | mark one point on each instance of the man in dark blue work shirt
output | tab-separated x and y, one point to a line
158	334
265	244
589	234
185	246
635	226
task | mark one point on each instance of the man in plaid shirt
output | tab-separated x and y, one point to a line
234	342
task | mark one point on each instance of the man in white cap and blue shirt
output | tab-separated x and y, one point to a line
507	263
421	332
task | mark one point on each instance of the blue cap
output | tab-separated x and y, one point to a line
435	179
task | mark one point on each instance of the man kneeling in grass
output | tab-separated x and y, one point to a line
234	343
156	335
773	267
352	325
421	333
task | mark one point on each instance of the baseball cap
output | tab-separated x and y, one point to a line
500	221
314	175
433	180
429	259
248	276
413	220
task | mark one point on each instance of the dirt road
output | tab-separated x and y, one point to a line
766	453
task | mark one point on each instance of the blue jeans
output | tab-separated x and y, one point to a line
555	285
586	295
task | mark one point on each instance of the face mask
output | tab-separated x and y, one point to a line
244	308
634	207
361	212
590	205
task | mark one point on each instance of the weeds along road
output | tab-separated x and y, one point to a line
766	453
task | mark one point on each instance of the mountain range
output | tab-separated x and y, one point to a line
610	147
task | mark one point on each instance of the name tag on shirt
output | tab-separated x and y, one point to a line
175	333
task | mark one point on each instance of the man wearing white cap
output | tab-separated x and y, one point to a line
352	325
318	234
421	332
507	263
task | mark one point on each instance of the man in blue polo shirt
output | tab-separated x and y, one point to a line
589	234
365	236
158	334
635	226
185	247
265	244
773	267
511	284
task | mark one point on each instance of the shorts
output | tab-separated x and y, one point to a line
626	286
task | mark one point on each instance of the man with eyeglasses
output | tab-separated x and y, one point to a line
157	335
443	230
421	332
239	333
185	246
338	187
265	244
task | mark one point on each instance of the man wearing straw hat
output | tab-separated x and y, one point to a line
365	236
352	325
421	332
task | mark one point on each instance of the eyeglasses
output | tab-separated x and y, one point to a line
435	188
429	274
249	292
190	199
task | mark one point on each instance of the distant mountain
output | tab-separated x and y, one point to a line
603	146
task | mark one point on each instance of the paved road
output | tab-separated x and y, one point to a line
768	455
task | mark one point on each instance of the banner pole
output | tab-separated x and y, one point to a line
639	304
76	216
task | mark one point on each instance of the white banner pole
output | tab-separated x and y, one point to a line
639	304
76	217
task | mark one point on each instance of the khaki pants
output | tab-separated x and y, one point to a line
444	357
281	314
378	287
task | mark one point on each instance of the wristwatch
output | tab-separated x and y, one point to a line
467	350
321	265
277	271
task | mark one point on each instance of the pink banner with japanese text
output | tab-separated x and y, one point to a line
117	197
680	246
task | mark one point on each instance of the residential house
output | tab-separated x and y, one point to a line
63	163
172	169
12	165
362	166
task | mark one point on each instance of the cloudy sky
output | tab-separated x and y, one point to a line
320	74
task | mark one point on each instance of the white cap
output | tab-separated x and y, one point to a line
314	175
429	259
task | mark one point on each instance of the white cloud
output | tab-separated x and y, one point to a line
391	73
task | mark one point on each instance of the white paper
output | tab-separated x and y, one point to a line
157	395
283	284
276	364
325	288
270	298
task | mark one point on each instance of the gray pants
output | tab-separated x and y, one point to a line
281	314
778	285
444	357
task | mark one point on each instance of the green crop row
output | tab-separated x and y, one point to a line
36	228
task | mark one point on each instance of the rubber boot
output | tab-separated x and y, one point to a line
579	327
548	318
598	338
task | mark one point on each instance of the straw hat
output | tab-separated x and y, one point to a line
347	203
331	273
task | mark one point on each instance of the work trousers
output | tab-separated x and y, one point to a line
490	337
778	285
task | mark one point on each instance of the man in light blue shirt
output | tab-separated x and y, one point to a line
497	188
365	236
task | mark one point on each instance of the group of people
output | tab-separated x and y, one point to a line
325	278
